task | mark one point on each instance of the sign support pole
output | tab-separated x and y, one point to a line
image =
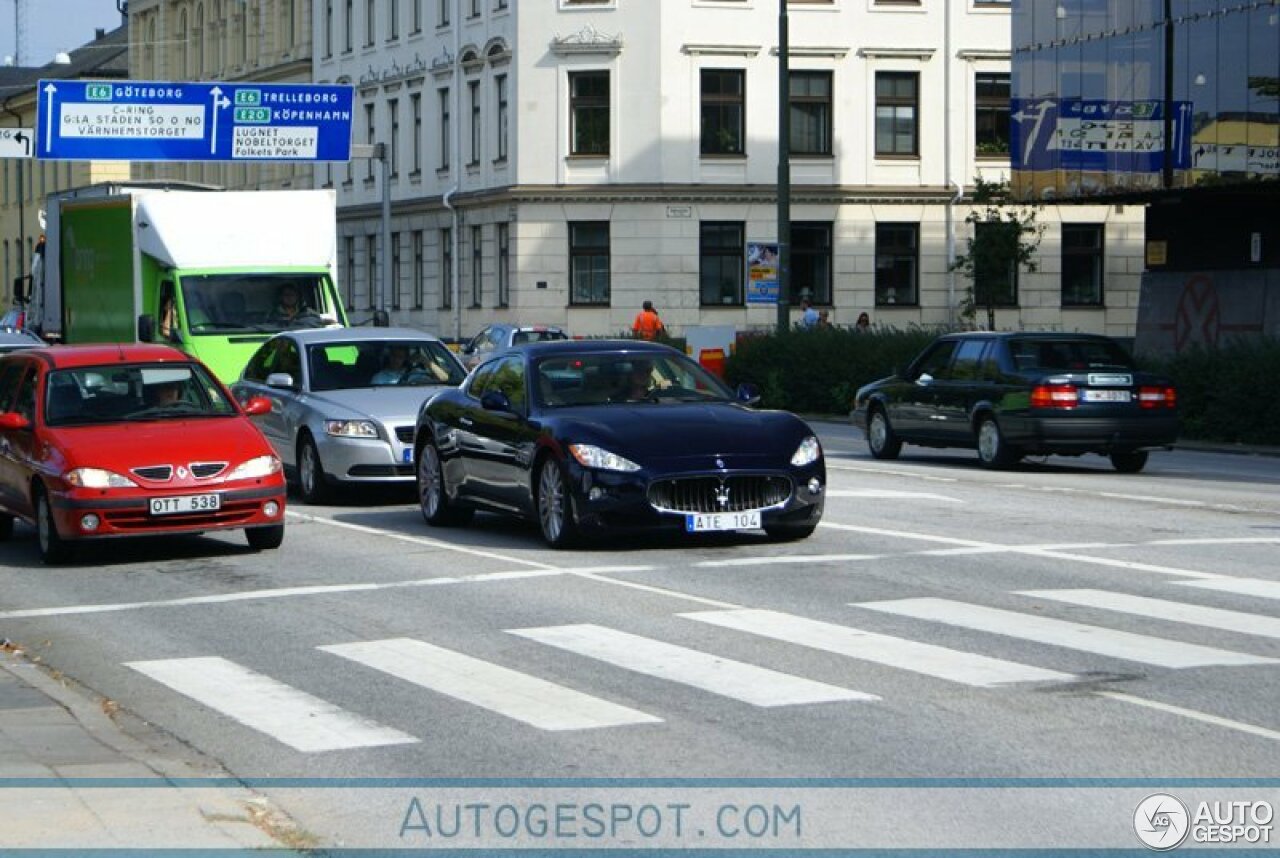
784	171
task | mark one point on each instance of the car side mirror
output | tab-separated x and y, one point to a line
924	379
257	406
280	380
469	349
146	328
14	420
496	400
381	319
748	394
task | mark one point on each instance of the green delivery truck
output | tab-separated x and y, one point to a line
213	272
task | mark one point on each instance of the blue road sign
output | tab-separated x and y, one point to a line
1094	135
135	120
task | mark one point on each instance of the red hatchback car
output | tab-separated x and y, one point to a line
130	440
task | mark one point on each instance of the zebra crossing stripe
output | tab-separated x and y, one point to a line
299	720
507	692
1095	639
1240	586
952	665
749	683
1177	612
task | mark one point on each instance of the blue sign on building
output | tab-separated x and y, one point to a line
175	121
1097	136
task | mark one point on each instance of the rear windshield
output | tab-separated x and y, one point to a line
1068	354
520	337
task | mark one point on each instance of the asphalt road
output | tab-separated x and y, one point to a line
1057	620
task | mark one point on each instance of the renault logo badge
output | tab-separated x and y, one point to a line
182	473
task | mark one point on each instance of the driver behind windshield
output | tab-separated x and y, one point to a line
395	367
160	395
639	381
290	305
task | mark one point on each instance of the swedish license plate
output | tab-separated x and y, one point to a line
1106	396
701	523
408	455
186	503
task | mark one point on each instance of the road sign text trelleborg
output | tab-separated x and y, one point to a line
177	121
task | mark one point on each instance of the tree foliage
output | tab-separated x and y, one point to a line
1004	240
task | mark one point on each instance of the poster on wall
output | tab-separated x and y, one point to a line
762	272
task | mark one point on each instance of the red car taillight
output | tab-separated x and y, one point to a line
1054	396
1158	397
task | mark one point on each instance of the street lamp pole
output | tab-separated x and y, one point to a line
784	170
1168	95
383	153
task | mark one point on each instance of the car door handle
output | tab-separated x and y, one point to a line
465	421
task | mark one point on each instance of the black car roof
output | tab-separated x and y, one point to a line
1035	335
553	347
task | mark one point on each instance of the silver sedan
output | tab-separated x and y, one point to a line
344	401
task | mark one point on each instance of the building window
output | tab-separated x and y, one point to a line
393	107
993	287
475	9
720	268
897	264
589	263
395	271
446	268
348	26
500	84
371	268
723	111
419	270
477	271
442	12
370	19
328	28
811	113
444	128
349	243
589	113
1082	264
473	93
369	133
415	104
897	100
500	4
811	262
393	20
417	17
991	114
504	264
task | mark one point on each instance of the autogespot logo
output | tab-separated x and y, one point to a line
1161	821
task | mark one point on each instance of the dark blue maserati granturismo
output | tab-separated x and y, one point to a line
590	437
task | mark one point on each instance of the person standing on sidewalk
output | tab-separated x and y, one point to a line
647	325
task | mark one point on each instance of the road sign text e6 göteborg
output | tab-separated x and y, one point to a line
178	121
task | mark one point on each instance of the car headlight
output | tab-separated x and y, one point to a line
807	453
97	478
351	428
602	460
262	466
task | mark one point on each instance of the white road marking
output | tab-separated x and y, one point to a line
1240	586
885	494
794	559
516	695
1077	636
657	591
930	478
1131	565
952	665
299	720
1204	717
905	534
1224	540
1177	612
758	686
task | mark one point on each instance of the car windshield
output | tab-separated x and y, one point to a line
624	377
218	304
1068	354
379	363
536	336
143	392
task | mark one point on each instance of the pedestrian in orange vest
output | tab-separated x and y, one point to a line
647	325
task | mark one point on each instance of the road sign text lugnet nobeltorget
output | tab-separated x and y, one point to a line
177	121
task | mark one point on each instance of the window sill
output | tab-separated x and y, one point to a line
499	162
992	156
915	305
1066	306
812	156
723	156
737	305
890	156
586	158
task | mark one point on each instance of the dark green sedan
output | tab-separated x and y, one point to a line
1010	395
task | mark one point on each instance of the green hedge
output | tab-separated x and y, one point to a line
818	371
1229	393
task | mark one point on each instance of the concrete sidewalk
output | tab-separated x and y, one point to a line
57	745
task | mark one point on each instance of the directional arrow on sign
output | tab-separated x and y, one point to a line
49	90
219	103
15	142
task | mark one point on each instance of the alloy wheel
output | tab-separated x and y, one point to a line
551	501
429	487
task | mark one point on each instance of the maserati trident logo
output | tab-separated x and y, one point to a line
720	463
722	496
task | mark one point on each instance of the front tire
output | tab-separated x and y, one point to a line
993	451
1129	461
313	482
555	506
433	495
265	538
881	439
54	550
6	527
